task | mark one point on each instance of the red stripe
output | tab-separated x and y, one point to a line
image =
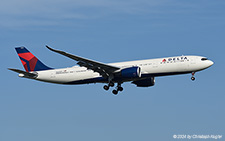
24	63
33	63
28	56
25	66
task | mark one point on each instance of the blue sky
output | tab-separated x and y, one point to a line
112	31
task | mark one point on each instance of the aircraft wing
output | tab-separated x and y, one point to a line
103	69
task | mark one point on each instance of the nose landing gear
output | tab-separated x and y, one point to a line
193	78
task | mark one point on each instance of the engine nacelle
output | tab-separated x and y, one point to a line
132	72
145	82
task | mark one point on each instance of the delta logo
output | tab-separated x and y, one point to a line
175	59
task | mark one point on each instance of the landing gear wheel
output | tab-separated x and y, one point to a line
193	76
106	87
115	92
120	89
111	84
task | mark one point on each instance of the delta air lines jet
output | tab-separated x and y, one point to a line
142	73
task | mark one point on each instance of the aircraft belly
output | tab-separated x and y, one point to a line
65	77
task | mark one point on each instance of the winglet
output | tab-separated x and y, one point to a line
57	51
49	48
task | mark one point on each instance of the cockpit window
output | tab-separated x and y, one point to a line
203	59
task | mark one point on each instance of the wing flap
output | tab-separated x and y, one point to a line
94	68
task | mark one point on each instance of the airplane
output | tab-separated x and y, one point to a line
142	73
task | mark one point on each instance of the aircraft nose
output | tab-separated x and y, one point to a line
211	63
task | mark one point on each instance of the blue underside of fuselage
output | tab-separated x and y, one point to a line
104	80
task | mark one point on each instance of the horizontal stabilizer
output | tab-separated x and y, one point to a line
24	74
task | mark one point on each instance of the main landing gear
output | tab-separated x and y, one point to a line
193	78
118	88
106	87
111	84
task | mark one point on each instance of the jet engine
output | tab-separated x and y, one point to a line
145	82
132	72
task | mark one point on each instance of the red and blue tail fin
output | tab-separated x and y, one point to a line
29	61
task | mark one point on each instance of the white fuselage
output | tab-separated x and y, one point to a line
149	68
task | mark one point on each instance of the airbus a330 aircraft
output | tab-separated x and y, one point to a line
142	73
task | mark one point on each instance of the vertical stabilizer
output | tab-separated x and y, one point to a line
29	61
